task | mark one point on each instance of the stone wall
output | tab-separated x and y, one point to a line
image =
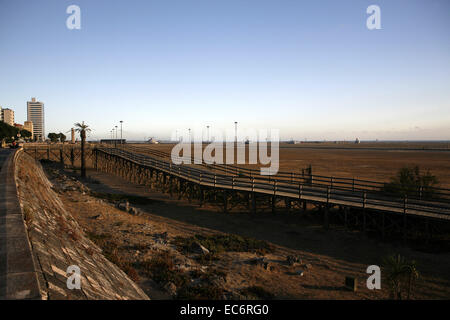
59	242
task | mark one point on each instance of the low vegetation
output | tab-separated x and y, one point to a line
28	216
411	182
161	269
227	242
257	292
207	291
55	137
401	275
117	197
7	132
111	252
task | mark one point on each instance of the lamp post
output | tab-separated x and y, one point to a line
112	137
190	138
115	141
235	132
207	134
121	131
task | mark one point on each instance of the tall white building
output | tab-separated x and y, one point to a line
8	116
35	114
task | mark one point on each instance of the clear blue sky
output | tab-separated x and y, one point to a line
309	68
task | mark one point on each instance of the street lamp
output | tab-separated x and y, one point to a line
235	132
121	131
207	133
115	141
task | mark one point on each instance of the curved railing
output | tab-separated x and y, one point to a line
313	190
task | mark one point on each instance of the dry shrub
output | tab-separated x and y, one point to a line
111	251
28	216
257	292
162	270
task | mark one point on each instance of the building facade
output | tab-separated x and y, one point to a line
35	114
8	116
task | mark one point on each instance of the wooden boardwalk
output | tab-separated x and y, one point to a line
357	204
327	195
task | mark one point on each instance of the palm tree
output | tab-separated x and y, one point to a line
82	129
400	274
413	274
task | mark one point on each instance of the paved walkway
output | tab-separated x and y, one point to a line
18	279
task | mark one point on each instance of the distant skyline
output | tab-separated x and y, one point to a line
309	68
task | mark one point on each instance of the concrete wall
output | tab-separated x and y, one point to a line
39	240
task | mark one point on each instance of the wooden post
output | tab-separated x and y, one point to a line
405	208
287	202
72	157
202	196
61	158
364	210
274	200
96	159
345	216
326	222
225	201
254	202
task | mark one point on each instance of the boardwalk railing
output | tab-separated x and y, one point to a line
325	192
357	185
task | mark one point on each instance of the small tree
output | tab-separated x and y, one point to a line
401	275
62	137
409	181
53	137
25	133
82	129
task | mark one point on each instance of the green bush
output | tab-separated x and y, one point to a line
401	275
227	242
410	181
